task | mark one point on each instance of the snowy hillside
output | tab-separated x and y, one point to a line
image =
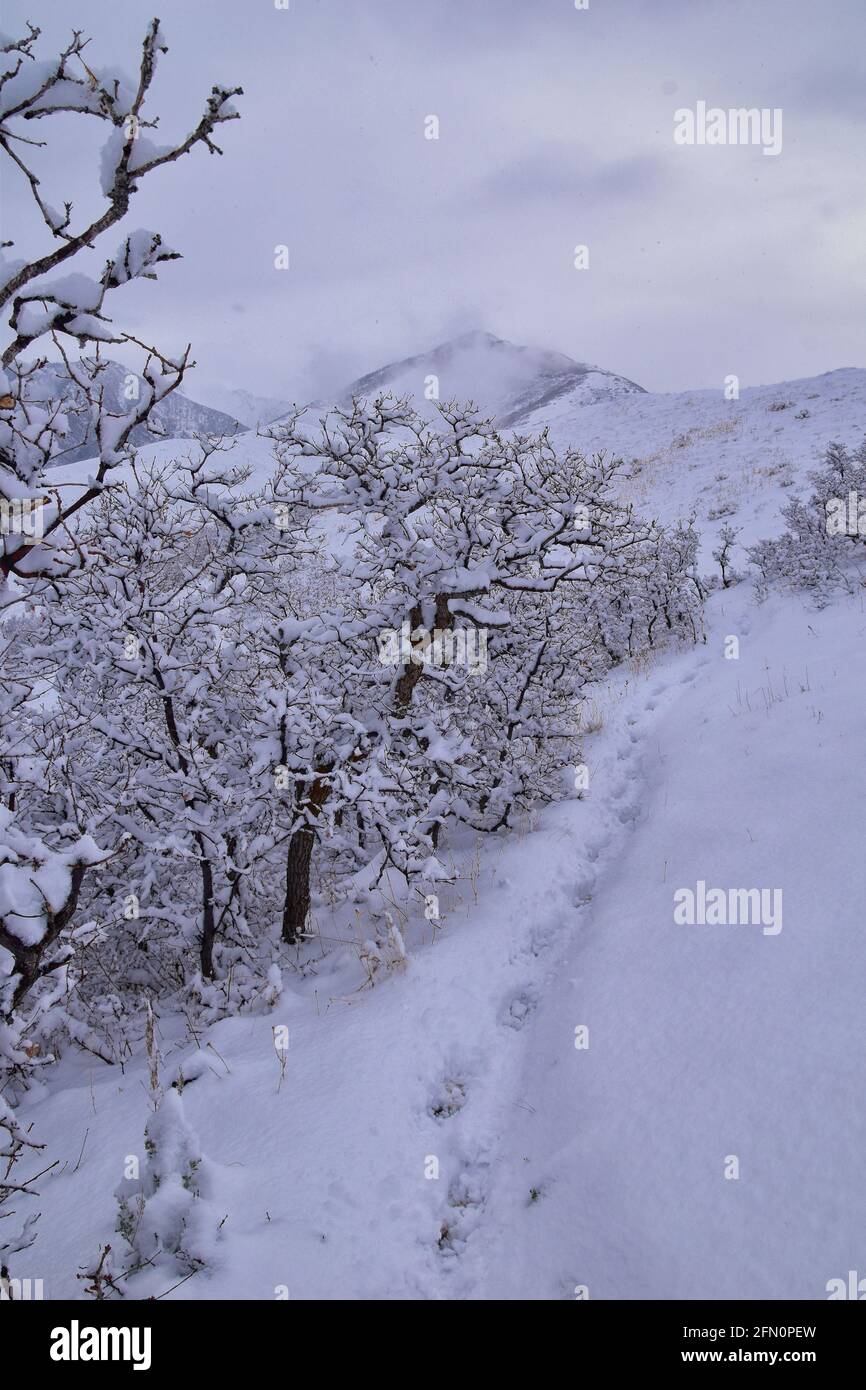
690	451
725	461
432	811
561	1167
546	1100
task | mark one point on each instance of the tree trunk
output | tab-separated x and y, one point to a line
296	903
208	917
309	798
410	674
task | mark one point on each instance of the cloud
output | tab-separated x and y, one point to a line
556	129
556	171
835	91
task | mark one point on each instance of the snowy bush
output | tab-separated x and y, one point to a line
164	1218
39	891
813	551
723	556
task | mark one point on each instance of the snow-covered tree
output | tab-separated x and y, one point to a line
389	635
155	653
822	533
456	540
723	555
52	304
46	308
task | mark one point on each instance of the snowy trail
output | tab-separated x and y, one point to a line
704	1041
325	1177
713	1041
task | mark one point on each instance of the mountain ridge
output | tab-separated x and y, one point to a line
177	416
507	380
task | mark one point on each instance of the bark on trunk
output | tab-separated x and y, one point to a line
208	917
296	903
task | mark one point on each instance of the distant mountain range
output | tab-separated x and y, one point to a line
504	380
177	417
248	409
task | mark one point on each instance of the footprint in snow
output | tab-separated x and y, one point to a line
583	889
595	847
517	1012
467	1196
447	1099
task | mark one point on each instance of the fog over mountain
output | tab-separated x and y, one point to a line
505	380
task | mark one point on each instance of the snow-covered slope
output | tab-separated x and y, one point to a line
693	452
707	1143
558	1167
685	453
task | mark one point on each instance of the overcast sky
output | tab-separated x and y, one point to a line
555	128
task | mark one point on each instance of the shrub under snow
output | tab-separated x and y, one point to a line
815	550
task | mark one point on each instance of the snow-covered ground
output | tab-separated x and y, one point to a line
440	1135
707	1043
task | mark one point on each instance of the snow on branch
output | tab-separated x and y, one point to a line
38	401
32	90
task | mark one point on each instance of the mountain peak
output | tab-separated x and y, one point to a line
476	337
505	380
